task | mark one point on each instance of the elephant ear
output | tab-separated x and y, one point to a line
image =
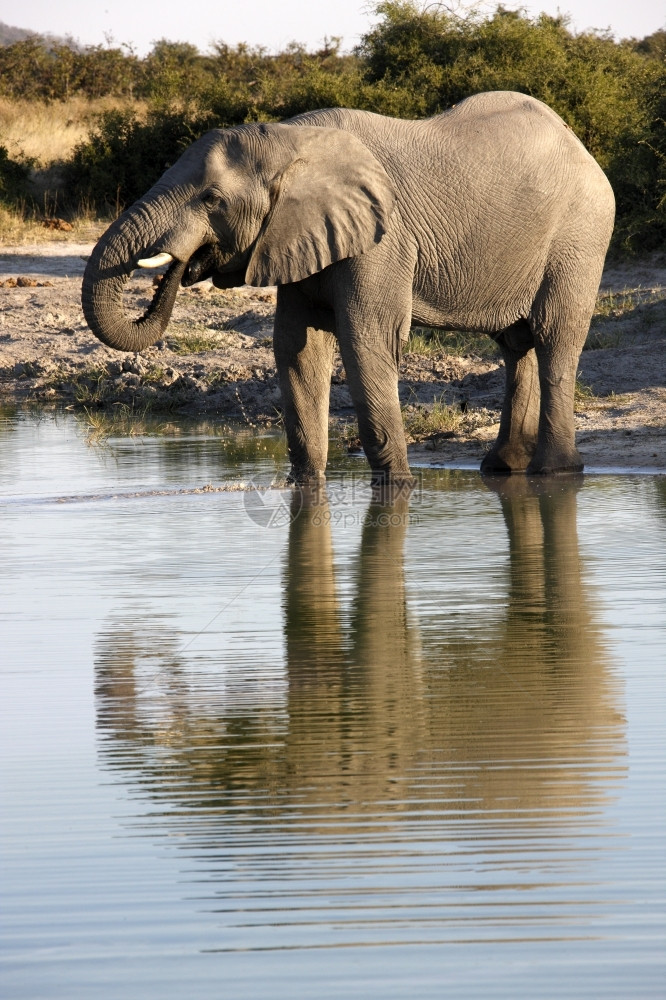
333	200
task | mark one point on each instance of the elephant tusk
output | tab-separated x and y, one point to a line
157	261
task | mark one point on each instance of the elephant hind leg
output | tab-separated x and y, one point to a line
560	322
556	448
519	422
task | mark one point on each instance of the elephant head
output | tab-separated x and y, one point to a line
257	204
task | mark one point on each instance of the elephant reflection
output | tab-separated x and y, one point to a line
355	683
374	712
542	714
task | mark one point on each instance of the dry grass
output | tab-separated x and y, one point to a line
199	340
45	133
423	422
48	132
425	340
621	315
585	398
583	395
22	227
427	420
125	421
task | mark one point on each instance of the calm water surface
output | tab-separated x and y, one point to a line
257	745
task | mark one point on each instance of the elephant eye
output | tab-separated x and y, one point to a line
212	200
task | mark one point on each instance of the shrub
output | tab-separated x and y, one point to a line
414	63
14	179
612	95
124	156
637	172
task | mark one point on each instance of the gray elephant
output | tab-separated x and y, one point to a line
491	216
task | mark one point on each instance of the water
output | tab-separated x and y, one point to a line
259	748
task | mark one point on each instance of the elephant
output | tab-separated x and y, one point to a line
489	217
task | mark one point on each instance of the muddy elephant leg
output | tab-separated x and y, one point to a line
519	423
304	344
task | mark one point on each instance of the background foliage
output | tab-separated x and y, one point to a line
414	63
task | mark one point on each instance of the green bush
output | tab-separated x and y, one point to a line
14	179
414	63
124	156
34	69
611	94
121	156
637	172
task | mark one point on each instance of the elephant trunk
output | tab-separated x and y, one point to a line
129	238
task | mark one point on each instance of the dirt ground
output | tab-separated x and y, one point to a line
216	358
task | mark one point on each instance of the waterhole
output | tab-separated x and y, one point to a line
266	743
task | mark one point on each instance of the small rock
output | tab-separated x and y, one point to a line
59	224
55	319
188	382
128	380
134	365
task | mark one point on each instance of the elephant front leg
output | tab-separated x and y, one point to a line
519	422
304	344
372	376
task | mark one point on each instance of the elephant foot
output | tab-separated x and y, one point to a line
546	470
506	461
551	462
305	476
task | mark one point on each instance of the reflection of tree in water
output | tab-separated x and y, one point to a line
514	716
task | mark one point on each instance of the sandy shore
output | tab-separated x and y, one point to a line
216	359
